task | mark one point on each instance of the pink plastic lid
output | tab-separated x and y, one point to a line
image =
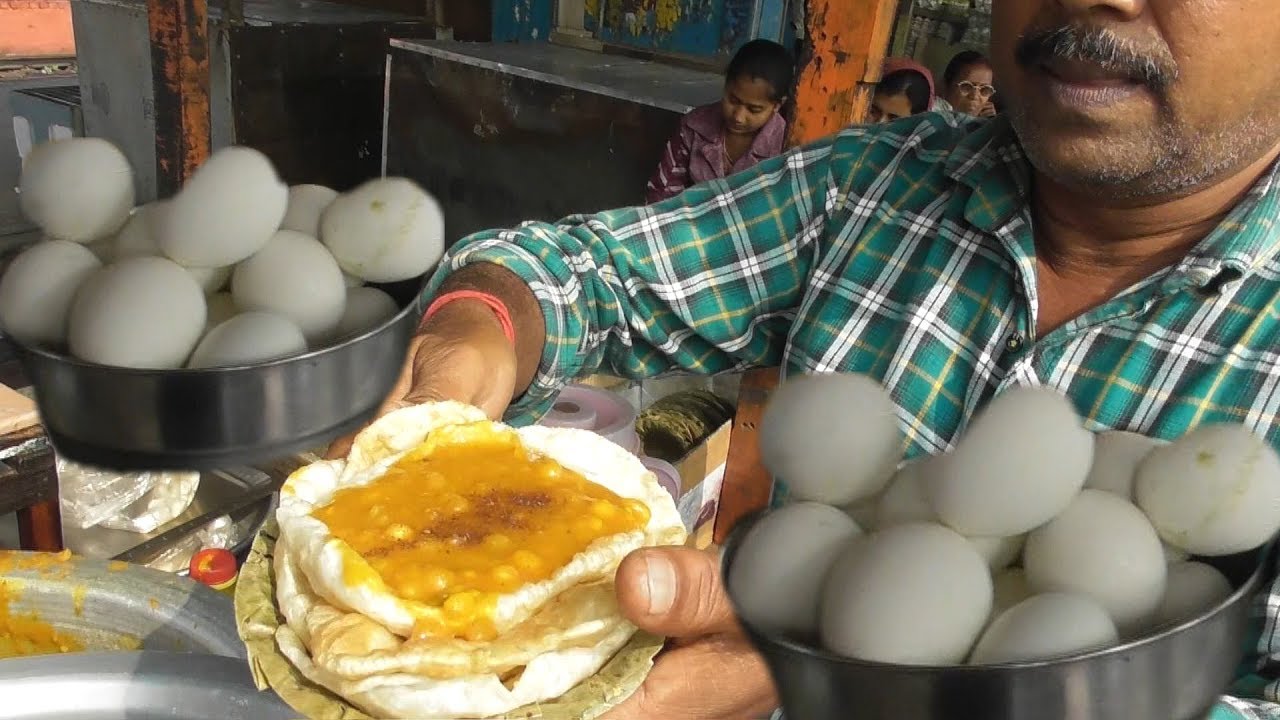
600	411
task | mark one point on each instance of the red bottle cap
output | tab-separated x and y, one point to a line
213	566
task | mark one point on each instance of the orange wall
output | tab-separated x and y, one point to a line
36	29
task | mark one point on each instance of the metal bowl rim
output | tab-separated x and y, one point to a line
734	539
70	360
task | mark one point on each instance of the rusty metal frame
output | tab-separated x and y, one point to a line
179	31
847	43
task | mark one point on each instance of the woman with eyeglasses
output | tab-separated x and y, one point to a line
968	81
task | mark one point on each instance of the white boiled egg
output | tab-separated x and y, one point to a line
1116	455
366	309
1194	588
295	276
78	189
1044	627
999	553
104	249
144	312
1019	464
1010	588
306	203
916	594
780	567
1104	547
800	446
352	281
863	512
905	500
211	280
222	307
386	230
1173	555
37	290
1214	491
226	212
248	338
137	238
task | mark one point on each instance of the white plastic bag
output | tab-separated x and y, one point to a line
169	498
90	496
219	533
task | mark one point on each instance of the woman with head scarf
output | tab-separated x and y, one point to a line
905	88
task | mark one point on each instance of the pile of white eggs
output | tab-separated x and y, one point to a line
235	269
1032	539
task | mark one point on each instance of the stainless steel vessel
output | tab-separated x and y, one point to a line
109	605
1177	674
135	685
204	419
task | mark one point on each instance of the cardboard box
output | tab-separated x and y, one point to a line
702	477
701	470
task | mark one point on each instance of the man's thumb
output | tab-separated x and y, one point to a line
674	592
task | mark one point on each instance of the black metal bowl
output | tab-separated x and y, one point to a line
1176	674
200	419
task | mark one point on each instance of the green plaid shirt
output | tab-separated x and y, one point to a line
905	252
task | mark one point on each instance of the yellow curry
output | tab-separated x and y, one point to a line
472	514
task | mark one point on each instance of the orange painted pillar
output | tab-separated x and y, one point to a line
180	79
848	40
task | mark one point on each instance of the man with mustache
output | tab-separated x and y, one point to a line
1113	236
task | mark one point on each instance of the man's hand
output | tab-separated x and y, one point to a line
709	671
461	355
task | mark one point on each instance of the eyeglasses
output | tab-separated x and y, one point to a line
982	90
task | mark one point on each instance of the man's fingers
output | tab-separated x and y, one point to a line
675	592
339	448
715	679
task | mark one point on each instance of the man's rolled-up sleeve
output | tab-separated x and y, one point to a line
704	282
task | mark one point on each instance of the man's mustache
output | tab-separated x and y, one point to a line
1155	68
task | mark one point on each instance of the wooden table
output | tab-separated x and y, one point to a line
29	477
747	485
29	487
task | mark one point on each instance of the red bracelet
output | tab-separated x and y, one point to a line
498	307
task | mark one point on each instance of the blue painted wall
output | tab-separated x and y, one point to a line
698	28
522	20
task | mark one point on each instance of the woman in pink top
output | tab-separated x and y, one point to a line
731	135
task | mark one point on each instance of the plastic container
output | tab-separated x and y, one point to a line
216	568
600	411
667	474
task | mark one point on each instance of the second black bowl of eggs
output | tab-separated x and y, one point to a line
1119	588
239	321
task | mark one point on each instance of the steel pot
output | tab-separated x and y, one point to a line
1177	674
129	419
135	685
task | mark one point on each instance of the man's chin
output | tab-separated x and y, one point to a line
1100	169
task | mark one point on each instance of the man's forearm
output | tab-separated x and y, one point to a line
526	313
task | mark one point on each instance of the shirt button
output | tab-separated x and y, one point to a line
1014	343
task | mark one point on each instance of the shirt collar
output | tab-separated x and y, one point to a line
990	163
708	123
1249	236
